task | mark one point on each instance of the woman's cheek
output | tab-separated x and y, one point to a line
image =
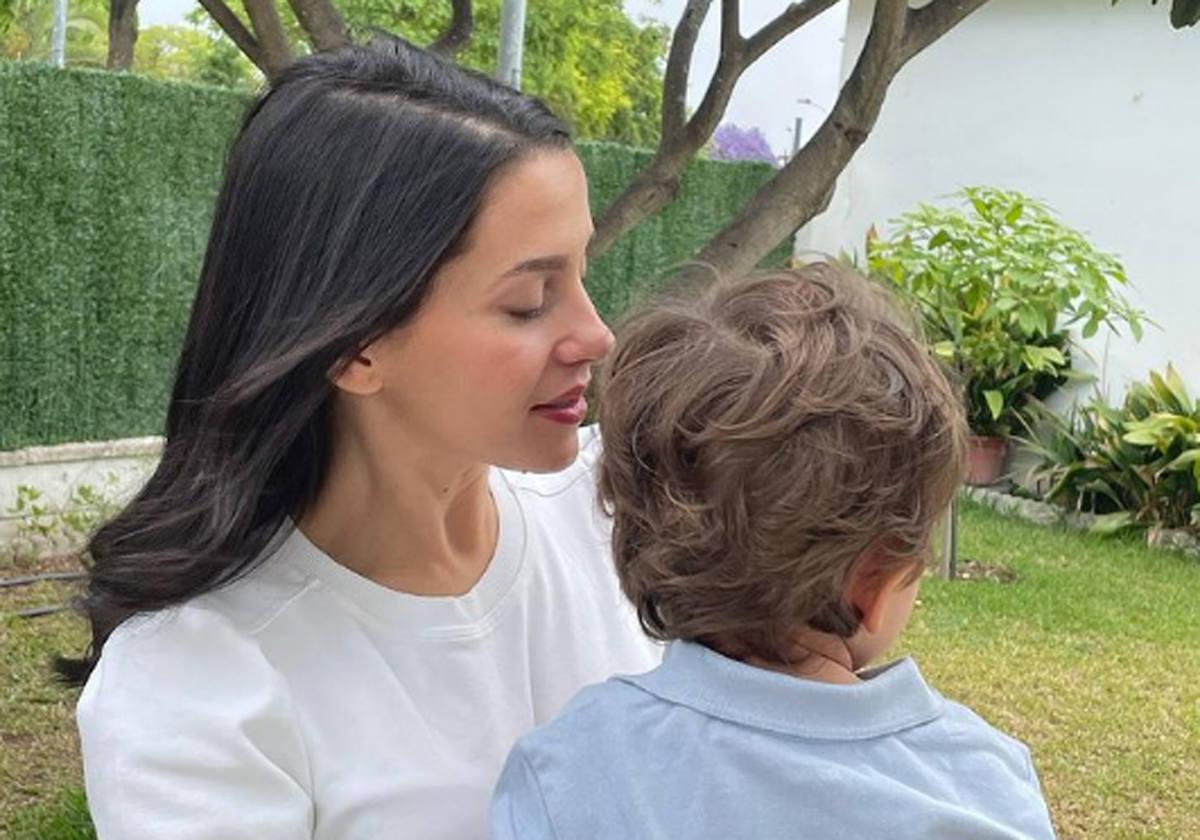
508	361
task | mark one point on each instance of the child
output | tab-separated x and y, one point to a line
777	451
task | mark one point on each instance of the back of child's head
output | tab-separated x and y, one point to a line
761	437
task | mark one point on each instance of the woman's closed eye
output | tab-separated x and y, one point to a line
527	314
533	308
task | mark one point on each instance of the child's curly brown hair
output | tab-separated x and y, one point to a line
760	436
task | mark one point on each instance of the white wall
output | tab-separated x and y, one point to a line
1092	108
114	469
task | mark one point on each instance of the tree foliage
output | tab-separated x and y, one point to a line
732	142
193	54
593	65
26	26
605	74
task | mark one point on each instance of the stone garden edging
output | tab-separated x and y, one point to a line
1043	513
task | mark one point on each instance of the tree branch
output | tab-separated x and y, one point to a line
321	22
787	22
237	32
679	63
268	30
932	21
656	185
458	34
731	27
801	189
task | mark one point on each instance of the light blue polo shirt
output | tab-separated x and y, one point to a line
708	747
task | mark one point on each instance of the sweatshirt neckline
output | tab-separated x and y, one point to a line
469	614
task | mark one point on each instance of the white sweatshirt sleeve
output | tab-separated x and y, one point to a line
188	733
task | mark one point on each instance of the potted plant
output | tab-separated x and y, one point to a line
1000	282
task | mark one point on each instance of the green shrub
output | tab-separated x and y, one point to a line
999	283
1138	465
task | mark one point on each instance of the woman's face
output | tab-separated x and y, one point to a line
492	367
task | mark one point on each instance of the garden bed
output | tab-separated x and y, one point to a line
1044	513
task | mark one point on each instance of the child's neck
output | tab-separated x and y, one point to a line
822	657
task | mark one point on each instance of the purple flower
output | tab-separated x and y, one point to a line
733	143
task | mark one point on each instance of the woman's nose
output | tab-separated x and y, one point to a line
590	339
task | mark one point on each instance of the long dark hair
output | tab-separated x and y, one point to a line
352	179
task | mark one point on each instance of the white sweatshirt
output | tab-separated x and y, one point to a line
305	701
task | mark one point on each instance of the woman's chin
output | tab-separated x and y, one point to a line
547	455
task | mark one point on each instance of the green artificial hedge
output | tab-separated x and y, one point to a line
106	190
710	194
107	184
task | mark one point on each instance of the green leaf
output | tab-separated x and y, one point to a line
1044	357
1141	437
1015	213
1029	320
944	350
1185	13
1188	459
1161	390
1178	389
1112	523
995	402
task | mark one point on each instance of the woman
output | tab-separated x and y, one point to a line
328	614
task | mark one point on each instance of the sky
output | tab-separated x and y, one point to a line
798	79
163	12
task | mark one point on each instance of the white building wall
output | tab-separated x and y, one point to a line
1093	108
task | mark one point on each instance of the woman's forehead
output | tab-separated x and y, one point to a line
539	207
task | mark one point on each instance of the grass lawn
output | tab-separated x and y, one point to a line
1092	657
39	750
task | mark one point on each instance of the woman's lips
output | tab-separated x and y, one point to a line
569	408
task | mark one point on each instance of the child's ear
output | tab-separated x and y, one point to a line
875	578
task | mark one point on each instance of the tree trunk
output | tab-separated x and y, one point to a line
459	31
322	23
651	190
683	136
122	33
268	32
232	25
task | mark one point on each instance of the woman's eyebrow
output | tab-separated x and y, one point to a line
538	265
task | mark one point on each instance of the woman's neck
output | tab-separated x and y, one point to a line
416	524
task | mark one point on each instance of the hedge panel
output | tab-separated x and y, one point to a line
107	183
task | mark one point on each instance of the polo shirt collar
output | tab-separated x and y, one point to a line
889	699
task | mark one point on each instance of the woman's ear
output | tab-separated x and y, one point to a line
361	375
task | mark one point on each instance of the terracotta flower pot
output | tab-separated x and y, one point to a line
985	459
